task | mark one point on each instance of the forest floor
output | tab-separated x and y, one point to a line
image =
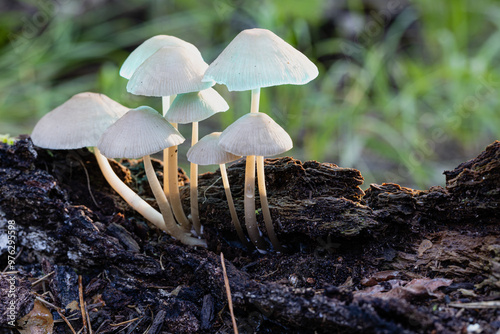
386	259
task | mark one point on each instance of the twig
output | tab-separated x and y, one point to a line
228	292
41	279
88	181
82	305
487	304
66	321
152	317
102	325
68	317
124	328
58	310
124	322
91	306
132	328
47	303
88	318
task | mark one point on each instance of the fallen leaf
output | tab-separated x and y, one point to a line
417	288
38	321
423	247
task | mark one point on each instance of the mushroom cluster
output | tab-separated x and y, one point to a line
258	58
167	67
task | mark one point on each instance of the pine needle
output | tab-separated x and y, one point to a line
228	292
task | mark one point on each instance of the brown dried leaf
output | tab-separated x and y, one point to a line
38	321
417	288
380	276
424	246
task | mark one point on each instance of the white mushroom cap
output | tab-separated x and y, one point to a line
196	106
147	49
259	58
141	131
169	71
255	134
208	152
78	122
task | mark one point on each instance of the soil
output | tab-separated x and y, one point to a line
387	259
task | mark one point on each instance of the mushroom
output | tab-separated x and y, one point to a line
170	71
137	57
80	122
147	49
193	108
256	134
208	152
139	133
259	58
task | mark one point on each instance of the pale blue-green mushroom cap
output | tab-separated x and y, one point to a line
141	131
255	134
259	58
169	71
148	48
78	122
207	151
196	106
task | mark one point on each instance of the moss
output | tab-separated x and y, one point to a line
7	139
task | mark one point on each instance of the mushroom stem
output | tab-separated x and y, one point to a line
134	200
165	103
264	204
254	108
262	181
193	185
173	187
232	209
249	203
170	226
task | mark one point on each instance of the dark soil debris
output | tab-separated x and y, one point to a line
386	260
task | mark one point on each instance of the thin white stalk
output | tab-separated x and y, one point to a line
193	185
230	203
134	200
171	227
249	203
173	186
261	177
161	199
165	104
254	108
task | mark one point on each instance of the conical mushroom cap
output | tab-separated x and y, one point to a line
196	106
255	134
208	152
148	48
141	131
169	71
78	122
259	58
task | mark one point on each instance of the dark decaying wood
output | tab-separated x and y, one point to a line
385	260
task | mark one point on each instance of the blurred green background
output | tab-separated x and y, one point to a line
405	91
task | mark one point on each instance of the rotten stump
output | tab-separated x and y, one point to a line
385	260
